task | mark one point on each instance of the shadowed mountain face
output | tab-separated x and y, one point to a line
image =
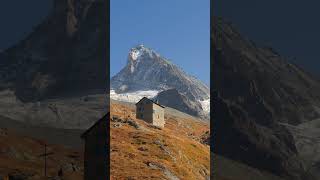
172	98
57	76
261	80
66	54
256	91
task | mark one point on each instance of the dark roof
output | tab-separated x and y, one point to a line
104	118
151	101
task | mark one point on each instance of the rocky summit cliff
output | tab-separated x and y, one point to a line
147	70
57	75
258	94
65	54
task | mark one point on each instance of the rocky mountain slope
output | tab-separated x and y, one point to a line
261	80
58	73
172	98
256	92
139	150
147	70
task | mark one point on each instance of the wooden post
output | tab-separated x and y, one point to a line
45	160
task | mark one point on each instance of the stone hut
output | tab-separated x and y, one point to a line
150	111
96	155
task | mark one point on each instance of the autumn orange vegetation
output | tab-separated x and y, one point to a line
21	156
151	153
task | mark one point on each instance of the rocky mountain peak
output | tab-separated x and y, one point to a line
69	45
148	70
141	55
147	73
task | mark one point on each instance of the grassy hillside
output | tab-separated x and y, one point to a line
141	151
20	157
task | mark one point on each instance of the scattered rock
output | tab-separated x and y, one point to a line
133	123
117	125
70	167
154	127
166	172
155	165
163	147
117	119
170	175
205	138
142	149
130	178
131	155
157	142
135	136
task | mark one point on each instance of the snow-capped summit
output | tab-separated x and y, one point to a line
147	70
139	53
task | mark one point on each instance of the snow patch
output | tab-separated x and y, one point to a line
133	97
135	54
205	105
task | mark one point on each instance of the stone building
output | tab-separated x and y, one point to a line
150	111
96	155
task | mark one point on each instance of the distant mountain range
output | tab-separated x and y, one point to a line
147	73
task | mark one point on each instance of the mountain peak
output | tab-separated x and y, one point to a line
136	52
148	70
141	50
141	54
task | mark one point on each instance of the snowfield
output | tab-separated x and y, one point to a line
134	97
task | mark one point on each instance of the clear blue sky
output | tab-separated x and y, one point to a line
18	18
177	29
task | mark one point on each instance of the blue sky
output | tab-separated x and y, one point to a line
18	18
177	29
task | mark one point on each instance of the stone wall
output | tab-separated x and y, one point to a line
158	116
150	112
144	110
